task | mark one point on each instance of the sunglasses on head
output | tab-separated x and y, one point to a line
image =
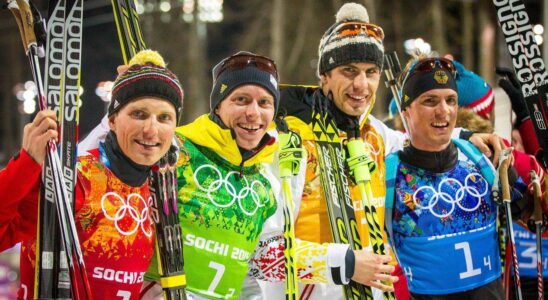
429	64
356	28
241	61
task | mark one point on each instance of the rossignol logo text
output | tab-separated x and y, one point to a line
526	55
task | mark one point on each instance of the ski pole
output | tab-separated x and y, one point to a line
361	165
504	165
538	218
24	17
290	155
393	68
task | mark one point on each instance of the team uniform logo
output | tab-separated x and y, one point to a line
247	196
441	77
129	214
451	193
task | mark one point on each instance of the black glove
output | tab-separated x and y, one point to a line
512	87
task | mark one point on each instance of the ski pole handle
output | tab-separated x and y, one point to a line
23	15
504	162
359	161
537	195
290	154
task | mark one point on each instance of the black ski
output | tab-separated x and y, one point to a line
52	280
335	185
129	30
169	247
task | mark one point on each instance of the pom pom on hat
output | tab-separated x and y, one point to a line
357	46
147	56
352	12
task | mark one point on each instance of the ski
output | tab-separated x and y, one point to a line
70	108
52	280
163	179
335	185
164	214
528	65
53	180
127	24
531	73
69	113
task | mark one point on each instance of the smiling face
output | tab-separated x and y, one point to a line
248	110
144	129
353	86
431	119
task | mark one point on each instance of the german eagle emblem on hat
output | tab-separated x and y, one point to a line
440	77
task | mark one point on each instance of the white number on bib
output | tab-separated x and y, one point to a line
529	253
470	271
220	271
126	295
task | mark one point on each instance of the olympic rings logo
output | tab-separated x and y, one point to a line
460	194
220	183
125	210
372	149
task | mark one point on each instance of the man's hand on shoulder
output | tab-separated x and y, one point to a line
489	144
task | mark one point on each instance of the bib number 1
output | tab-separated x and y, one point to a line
470	271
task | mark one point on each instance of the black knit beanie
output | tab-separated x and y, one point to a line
147	76
355	46
229	79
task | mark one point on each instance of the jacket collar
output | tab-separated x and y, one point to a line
207	133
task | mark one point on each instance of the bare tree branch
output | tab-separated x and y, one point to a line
277	30
298	46
256	28
467	34
438	26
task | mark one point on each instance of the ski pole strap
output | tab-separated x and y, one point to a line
173	281
391	165
359	162
290	154
473	153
